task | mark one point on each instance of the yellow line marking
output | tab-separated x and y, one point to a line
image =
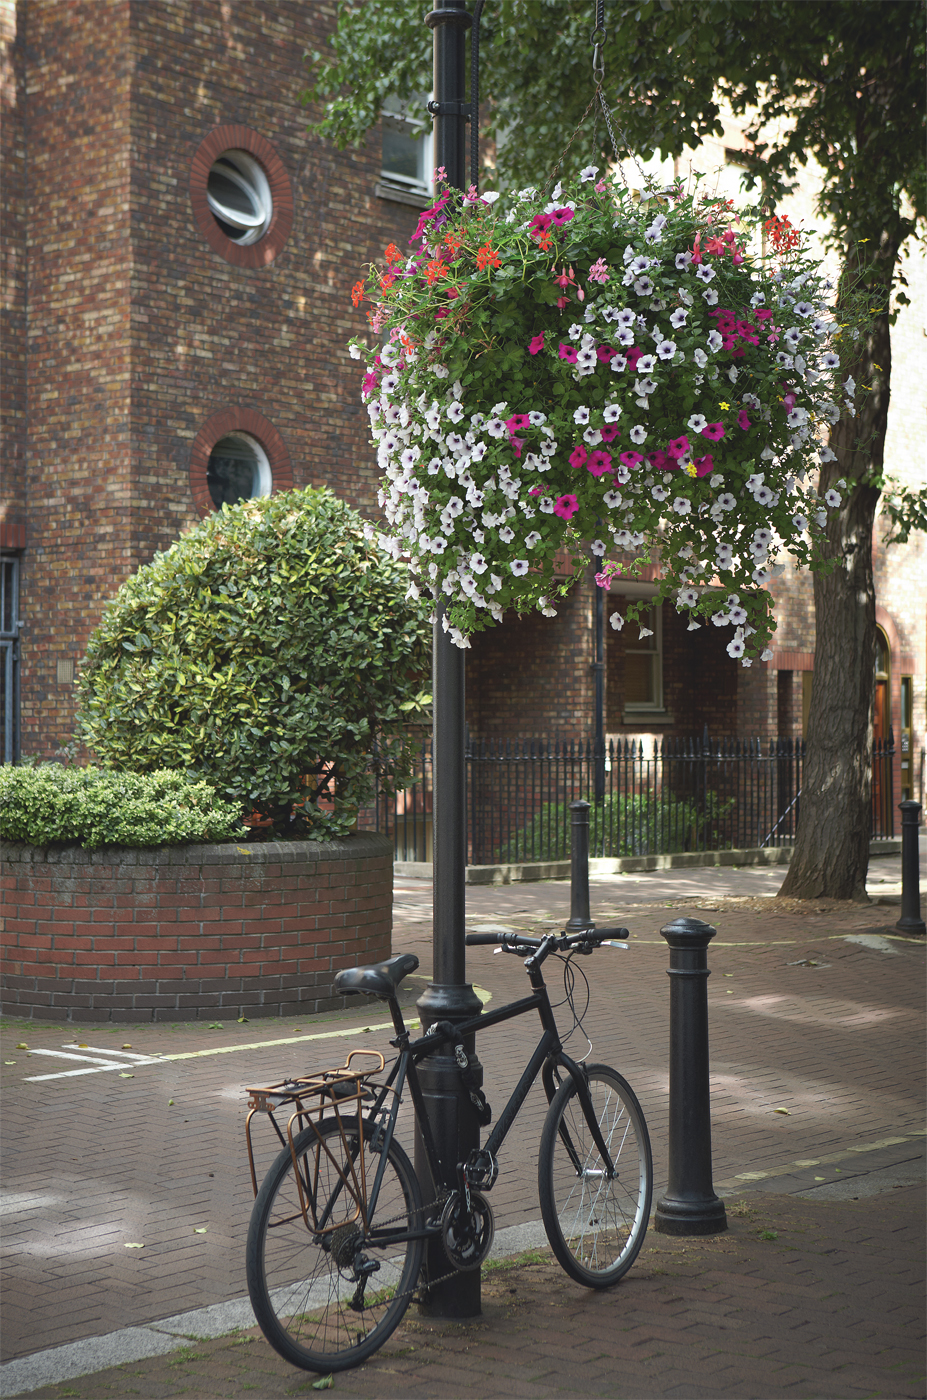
734	1181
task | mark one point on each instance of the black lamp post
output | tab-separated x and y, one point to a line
449	997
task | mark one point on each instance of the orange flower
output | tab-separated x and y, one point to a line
357	293
486	257
387	281
434	270
454	242
392	254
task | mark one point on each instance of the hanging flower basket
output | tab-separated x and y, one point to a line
600	371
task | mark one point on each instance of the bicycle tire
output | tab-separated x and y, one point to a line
595	1226
302	1297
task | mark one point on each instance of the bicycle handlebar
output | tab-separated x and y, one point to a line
516	942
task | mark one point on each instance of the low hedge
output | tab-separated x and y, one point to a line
95	807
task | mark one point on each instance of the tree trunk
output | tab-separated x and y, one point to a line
831	855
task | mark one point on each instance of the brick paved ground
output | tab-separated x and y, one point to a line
799	1298
802	1019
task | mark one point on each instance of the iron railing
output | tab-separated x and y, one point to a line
682	795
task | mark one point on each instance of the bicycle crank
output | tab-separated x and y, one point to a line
467	1235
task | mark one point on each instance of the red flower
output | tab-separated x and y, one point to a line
357	293
391	253
486	257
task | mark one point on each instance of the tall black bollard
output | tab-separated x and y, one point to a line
910	921
579	868
690	1206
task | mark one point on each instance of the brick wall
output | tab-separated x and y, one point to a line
186	932
136	331
12	279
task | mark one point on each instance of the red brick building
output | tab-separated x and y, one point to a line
178	253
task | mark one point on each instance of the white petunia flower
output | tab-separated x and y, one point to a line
617	621
519	567
705	273
588	173
666	350
832	498
682	505
682	261
638	434
697	422
678	317
735	648
612	412
532	539
598	548
581	415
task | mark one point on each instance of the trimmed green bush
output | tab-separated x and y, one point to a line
98	808
639	825
271	651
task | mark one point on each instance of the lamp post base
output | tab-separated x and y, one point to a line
681	1217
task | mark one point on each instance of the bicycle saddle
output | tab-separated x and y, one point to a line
377	979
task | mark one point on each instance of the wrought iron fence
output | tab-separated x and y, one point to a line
692	794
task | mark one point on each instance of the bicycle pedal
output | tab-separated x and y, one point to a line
481	1169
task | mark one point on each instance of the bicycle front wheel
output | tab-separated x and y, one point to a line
596	1225
327	1290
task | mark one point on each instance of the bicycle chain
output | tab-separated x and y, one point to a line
432	1282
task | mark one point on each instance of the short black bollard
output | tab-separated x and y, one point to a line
579	868
690	1206
910	921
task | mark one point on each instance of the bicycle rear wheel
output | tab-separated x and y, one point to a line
596	1226
327	1295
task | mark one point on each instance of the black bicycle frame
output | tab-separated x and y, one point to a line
547	1056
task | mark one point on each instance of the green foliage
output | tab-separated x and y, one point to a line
847	79
269	651
623	826
95	807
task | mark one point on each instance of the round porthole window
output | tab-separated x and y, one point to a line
237	470
239	197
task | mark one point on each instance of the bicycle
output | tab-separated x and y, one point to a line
339	1227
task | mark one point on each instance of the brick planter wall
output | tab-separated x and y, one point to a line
184	932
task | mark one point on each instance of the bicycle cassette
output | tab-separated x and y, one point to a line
467	1235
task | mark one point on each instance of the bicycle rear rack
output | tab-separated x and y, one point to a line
311	1097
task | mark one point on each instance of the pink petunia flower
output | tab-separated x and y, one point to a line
536	345
599	463
561	217
536	491
518	422
578	456
566	506
704	465
604	353
632	357
657	460
631	459
678	447
742	420
714	432
609	432
568	353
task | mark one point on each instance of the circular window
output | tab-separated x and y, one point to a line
237	454
241	196
237	470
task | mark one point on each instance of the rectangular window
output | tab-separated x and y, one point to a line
407	146
643	664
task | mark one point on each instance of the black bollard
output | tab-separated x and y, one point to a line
579	868
690	1206
910	921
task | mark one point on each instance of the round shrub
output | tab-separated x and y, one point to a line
271	651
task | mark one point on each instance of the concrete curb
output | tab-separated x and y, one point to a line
619	865
92	1354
